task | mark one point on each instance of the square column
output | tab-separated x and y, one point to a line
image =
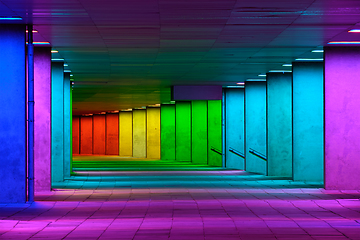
342	118
12	117
42	114
308	121
279	124
67	125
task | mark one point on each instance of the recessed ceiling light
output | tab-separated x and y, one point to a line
54	51
309	59
67	71
262	75
57	59
240	83
65	65
10	18
71	75
279	71
287	65
317	51
234	86
40	43
354	30
344	42
34	31
255	79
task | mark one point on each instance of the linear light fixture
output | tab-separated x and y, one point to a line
287	65
67	71
281	71
309	59
40	43
255	79
262	75
10	18
54	51
57	59
354	30
34	31
344	42
234	87
71	75
240	83
317	51
65	65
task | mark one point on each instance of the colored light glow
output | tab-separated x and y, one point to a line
262	75
65	65
71	75
234	86
240	83
10	18
309	59
344	42
354	30
287	65
281	71
54	51
57	59
34	31
40	43
317	51
256	79
67	71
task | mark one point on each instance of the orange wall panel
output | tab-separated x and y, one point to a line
76	134
112	134
86	135
99	134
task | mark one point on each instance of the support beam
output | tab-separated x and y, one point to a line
279	124
342	113
308	121
67	124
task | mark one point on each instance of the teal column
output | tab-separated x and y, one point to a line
214	132
199	132
308	122
183	131
234	127
255	126
67	125
12	117
57	123
279	124
167	122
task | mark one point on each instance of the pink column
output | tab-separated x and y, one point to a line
342	118
42	142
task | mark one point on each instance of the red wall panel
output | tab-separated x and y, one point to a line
86	135
112	134
76	135
99	134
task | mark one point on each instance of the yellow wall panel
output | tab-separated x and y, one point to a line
139	133
153	133
125	134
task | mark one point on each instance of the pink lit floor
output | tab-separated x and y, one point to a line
183	205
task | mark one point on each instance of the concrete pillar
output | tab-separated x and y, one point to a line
234	131
12	117
112	134
76	134
99	134
214	132
139	133
153	133
86	135
67	125
308	121
183	131
279	124
42	121
255	126
167	131
125	134
57	121
199	132
342	114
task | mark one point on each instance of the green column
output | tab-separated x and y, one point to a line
214	132
183	131
199	132
168	131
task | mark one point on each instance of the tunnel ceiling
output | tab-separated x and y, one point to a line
126	54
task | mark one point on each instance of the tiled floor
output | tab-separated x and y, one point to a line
183	205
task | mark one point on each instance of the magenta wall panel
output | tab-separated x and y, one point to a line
342	118
42	128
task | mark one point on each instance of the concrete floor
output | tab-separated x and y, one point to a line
183	205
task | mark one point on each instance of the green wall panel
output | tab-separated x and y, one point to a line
214	132
199	132
183	131
168	132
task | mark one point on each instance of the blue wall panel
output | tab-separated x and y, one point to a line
234	138
308	122
12	117
255	126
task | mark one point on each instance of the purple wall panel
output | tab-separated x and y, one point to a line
42	147
196	93
342	118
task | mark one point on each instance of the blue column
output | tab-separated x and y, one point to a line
308	122
67	128
234	131
57	123
279	124
12	117
255	126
